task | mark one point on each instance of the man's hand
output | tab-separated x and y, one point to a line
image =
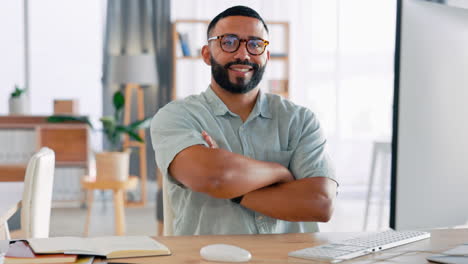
211	142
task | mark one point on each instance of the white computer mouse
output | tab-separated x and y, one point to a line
225	253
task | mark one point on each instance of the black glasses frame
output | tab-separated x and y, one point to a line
266	42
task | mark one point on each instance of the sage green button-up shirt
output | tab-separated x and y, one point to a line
276	130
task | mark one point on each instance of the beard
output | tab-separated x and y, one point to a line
241	86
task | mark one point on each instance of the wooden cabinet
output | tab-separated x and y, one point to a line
22	136
192	76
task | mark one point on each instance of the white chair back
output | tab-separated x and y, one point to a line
37	194
168	214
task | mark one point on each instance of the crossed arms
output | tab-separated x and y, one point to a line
268	188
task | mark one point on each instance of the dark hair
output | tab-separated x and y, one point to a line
235	11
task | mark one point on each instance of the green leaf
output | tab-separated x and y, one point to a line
107	119
17	92
118	100
65	118
135	136
129	131
109	125
140	124
110	131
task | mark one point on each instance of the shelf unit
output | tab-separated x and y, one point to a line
275	80
22	136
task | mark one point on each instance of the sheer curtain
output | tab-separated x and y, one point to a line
341	67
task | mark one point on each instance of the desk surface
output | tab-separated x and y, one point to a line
10	196
275	248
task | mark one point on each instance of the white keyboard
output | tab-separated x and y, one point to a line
355	247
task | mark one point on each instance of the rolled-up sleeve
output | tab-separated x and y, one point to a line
172	132
310	158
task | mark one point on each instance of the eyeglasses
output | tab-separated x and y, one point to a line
230	43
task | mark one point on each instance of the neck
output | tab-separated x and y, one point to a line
240	104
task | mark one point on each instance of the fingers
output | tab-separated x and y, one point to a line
208	139
211	142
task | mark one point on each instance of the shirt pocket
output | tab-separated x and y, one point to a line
281	157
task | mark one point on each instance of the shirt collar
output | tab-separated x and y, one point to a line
217	105
261	108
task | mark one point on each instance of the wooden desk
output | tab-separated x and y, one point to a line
10	199
275	248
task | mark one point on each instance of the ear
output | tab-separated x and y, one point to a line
268	55
205	52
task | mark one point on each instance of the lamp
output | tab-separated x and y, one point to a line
133	71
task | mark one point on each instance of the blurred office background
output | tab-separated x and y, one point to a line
341	56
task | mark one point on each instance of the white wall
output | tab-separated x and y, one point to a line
432	172
65	53
11	50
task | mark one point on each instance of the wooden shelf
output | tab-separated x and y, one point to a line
285	58
17	121
71	164
190	58
12	173
69	140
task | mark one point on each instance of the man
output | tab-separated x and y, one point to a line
239	161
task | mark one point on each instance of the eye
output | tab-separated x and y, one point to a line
255	44
229	41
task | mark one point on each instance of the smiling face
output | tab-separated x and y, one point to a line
239	71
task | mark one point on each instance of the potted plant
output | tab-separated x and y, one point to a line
112	164
18	102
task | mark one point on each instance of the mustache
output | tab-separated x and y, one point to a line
240	62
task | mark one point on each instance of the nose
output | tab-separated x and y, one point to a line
242	52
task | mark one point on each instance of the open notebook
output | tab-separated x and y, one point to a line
109	247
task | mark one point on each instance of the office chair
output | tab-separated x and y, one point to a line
167	209
37	195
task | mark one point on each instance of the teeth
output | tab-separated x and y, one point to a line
241	69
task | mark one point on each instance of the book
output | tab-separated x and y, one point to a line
19	252
278	55
183	39
278	86
84	260
109	247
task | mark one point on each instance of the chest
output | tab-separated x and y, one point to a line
259	138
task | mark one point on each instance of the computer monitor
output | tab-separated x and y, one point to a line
430	136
